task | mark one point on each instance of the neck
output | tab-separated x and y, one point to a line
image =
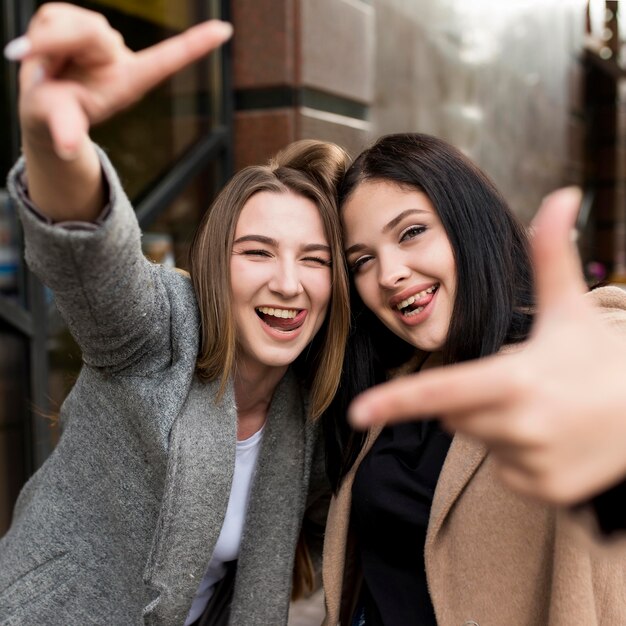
432	359
254	388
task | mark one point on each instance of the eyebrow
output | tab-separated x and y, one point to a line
398	218
310	247
386	228
258	238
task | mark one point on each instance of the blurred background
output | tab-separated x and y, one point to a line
533	90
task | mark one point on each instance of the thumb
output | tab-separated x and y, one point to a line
558	276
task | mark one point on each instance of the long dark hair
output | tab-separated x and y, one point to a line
494	293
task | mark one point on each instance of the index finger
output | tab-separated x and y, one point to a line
156	63
463	387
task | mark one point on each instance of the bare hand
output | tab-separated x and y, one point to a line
76	71
554	413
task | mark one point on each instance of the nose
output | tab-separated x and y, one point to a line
391	270
286	280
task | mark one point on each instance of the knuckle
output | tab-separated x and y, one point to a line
118	38
102	21
428	392
51	10
99	26
44	13
529	430
521	382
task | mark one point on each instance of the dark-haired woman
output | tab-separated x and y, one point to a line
421	532
187	461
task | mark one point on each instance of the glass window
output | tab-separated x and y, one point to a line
9	249
144	141
5	95
13	435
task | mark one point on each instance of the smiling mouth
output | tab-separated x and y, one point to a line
417	303
285	320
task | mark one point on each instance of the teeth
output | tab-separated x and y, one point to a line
283	313
417	296
414	312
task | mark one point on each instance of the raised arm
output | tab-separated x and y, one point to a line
553	414
76	72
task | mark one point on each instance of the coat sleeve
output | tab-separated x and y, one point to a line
111	297
604	516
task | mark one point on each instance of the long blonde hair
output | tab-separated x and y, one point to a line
310	169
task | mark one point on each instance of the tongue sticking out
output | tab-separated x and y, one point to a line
281	323
421	303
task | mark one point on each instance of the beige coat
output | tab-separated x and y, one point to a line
493	558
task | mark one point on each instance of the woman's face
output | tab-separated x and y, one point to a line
280	278
401	260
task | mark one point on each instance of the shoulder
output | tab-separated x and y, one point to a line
608	297
178	284
611	301
182	308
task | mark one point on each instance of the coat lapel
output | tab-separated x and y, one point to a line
266	560
463	459
201	461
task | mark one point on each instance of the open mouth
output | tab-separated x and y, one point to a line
417	303
285	320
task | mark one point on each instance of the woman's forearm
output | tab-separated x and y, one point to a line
64	190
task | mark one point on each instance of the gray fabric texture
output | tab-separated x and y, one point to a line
120	523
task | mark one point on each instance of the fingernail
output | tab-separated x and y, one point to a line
17	49
573	235
224	29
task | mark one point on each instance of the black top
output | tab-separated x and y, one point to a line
610	509
391	499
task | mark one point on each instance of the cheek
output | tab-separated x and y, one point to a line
243	283
246	276
367	289
451	275
321	288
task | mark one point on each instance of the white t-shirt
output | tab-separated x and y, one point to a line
227	546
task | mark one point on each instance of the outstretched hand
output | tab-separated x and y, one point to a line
76	71
553	413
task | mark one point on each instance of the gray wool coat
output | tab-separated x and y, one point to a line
119	524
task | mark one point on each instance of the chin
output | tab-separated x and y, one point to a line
278	360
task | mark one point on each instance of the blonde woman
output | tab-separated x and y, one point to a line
188	459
